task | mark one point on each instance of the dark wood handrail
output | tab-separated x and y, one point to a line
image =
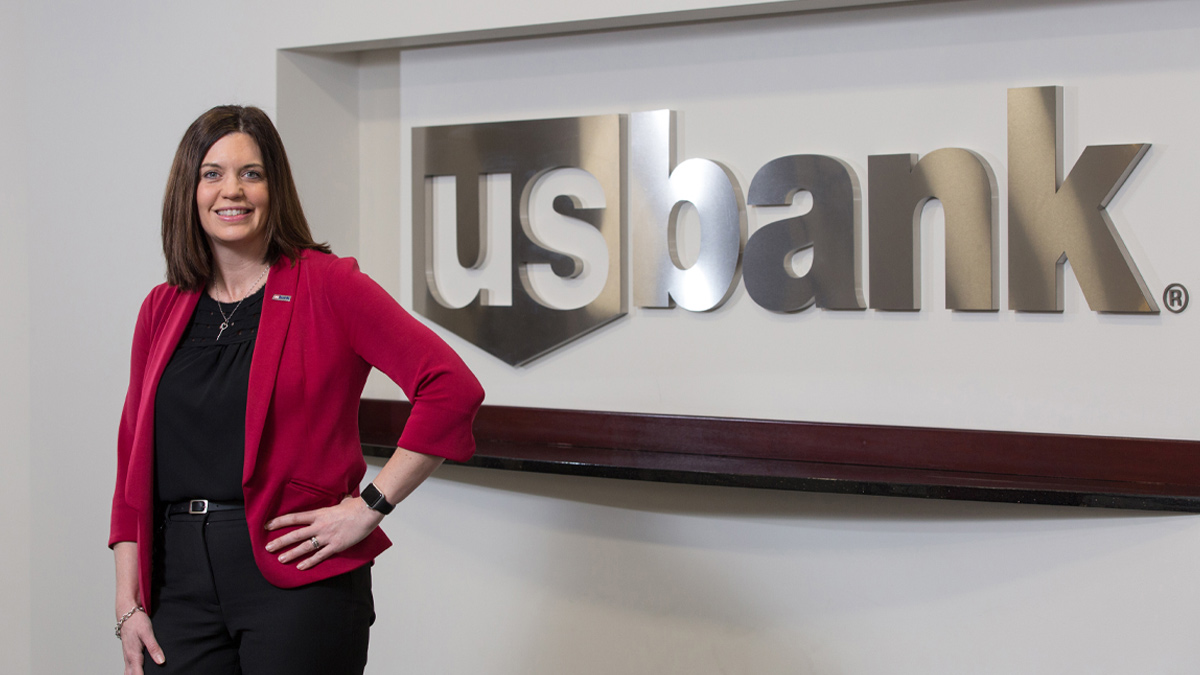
1156	474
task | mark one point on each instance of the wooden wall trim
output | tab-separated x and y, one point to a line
975	465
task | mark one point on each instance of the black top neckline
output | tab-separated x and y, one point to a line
206	322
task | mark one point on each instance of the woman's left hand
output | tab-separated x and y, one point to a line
334	529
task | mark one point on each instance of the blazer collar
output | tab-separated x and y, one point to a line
141	462
182	306
268	348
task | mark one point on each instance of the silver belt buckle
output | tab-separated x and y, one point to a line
197	507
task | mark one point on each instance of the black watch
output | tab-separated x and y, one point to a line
375	499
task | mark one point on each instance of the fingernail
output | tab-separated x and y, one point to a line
159	659
270	547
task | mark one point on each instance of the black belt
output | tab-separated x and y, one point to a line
202	506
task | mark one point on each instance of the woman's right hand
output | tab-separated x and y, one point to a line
137	637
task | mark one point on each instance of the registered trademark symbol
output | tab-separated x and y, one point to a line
1175	297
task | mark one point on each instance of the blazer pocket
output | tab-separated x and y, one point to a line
302	496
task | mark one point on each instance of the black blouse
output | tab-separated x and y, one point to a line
200	407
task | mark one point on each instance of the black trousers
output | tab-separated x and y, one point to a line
214	614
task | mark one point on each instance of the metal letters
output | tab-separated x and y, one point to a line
831	229
536	258
657	189
1051	221
965	185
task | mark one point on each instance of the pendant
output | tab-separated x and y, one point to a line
223	327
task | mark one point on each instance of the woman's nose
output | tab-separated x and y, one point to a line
231	187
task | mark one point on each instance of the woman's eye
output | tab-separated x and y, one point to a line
254	175
209	175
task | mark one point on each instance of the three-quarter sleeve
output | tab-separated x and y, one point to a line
444	393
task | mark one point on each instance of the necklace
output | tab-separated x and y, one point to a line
227	318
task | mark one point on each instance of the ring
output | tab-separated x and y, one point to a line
316	544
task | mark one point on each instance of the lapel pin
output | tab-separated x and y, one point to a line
281	298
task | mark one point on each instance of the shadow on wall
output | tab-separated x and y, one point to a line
718	501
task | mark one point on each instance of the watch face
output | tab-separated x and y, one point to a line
374	499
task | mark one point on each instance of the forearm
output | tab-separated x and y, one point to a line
125	553
403	473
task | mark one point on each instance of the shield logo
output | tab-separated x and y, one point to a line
519	230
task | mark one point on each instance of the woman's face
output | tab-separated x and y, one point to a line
231	196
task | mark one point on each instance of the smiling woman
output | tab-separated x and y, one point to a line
237	523
227	140
232	197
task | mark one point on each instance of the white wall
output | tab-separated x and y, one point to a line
14	349
508	573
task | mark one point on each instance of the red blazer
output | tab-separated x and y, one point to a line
324	324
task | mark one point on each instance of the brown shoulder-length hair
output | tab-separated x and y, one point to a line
189	260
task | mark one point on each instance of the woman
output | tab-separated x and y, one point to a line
242	544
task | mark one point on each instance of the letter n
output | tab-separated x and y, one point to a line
899	188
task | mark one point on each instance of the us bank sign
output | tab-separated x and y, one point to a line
531	216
